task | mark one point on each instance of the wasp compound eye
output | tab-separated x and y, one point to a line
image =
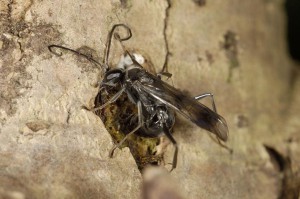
112	77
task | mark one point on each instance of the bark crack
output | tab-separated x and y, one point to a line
166	20
9	14
69	115
290	182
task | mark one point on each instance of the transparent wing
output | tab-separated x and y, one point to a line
186	105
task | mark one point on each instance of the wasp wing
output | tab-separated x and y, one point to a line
186	105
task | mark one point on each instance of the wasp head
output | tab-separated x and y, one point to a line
113	77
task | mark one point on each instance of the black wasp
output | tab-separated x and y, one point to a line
156	100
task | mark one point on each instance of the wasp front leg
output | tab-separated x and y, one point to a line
111	100
170	137
140	124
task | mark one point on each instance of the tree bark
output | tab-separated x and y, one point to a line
51	148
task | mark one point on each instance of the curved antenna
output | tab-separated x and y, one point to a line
73	51
106	51
117	36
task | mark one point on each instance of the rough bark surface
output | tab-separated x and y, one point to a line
52	148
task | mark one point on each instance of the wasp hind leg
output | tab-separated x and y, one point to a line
215	139
170	137
218	141
199	97
140	124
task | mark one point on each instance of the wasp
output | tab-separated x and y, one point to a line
155	100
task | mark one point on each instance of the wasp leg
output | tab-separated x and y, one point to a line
215	139
160	74
218	141
140	124
170	137
118	37
207	95
111	100
166	74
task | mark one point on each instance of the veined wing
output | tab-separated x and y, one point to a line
186	105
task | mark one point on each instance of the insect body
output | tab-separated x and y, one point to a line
153	117
121	117
156	101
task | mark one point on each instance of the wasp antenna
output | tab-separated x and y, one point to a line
73	51
129	33
118	37
52	51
